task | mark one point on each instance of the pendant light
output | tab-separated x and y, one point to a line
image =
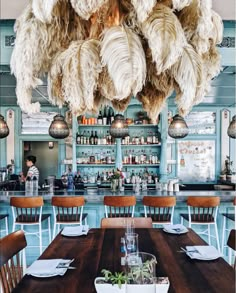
119	128
58	128
232	128
178	127
4	130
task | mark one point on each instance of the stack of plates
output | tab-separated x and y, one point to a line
203	252
75	231
175	229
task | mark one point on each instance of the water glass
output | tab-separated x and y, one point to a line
131	241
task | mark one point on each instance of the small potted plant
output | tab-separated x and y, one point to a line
111	283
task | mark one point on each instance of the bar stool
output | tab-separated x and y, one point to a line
232	244
119	206
10	266
27	211
231	217
4	217
159	208
139	222
202	210
68	211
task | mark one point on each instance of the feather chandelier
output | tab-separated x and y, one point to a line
106	51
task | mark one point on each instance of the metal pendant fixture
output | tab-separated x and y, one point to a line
178	127
4	130
232	128
119	128
59	128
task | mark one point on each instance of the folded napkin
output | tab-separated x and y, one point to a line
75	231
177	228
203	252
48	267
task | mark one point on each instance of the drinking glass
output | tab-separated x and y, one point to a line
131	241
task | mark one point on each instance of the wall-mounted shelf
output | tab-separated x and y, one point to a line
113	145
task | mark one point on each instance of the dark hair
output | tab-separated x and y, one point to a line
32	159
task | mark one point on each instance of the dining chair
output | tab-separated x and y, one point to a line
119	206
139	222
225	231
68	210
11	264
159	208
232	245
202	210
27	211
4	217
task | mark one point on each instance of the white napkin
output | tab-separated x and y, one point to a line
75	231
203	252
47	267
177	228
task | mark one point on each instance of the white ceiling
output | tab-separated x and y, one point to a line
11	9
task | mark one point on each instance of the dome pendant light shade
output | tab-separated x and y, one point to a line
58	128
178	127
232	128
4	130
119	128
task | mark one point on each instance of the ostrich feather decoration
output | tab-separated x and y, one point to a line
97	52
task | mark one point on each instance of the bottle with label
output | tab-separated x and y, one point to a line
28	187
99	181
104	118
99	119
91	139
78	138
112	115
95	138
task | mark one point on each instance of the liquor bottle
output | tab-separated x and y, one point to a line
78	138
104	118
99	120
109	116
99	179
88	137
112	115
84	138
95	138
91	139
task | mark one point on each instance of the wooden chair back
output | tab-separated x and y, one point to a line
119	206
159	208
11	270
232	243
68	208
122	222
27	209
203	208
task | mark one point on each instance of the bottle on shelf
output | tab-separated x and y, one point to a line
112	115
91	139
104	118
99	119
96	138
35	186
99	181
78	137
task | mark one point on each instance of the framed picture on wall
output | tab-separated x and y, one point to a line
196	161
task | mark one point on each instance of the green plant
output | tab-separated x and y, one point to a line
142	274
118	278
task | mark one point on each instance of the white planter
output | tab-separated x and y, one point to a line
162	288
108	288
141	288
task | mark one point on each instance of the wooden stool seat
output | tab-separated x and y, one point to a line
159	208
202	210
4	217
122	222
11	270
27	211
68	210
119	206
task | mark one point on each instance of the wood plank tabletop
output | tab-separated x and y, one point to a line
101	249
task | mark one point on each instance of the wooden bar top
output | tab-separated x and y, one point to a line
101	249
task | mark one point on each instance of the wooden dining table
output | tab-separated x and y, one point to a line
100	249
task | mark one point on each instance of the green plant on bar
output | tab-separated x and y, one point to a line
118	278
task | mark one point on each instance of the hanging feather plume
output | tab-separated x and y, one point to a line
85	8
121	105
165	37
189	17
105	85
80	70
29	62
143	8
180	4
153	101
187	73
42	9
123	54
167	3
217	29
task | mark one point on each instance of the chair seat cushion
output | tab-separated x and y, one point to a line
158	218
31	218
70	218
229	216
202	218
